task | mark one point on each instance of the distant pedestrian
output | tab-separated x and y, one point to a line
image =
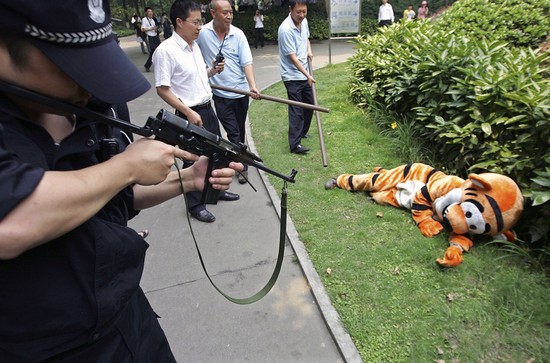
258	29
141	38
385	14
149	25
423	10
204	10
409	13
166	26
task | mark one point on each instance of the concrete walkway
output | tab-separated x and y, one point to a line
295	322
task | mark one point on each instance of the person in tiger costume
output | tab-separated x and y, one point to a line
484	204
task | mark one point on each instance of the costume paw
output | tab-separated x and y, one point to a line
453	257
331	184
430	228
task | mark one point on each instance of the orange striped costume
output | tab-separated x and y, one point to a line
488	203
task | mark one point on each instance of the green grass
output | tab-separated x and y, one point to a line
397	305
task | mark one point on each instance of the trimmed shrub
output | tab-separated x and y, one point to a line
479	102
518	22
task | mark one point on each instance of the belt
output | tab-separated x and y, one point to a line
201	106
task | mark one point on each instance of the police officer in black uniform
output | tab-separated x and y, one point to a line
69	265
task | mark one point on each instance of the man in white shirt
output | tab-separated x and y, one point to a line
385	14
181	79
149	27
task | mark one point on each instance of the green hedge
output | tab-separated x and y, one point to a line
369	9
518	22
480	103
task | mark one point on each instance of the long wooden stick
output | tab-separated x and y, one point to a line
319	125
272	98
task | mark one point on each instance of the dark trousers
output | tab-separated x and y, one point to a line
299	118
210	123
232	115
259	37
153	43
385	22
136	337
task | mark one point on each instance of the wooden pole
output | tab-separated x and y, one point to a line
319	125
273	98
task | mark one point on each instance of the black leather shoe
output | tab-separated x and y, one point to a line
228	196
300	149
203	215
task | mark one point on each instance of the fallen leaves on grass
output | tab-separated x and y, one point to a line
453	341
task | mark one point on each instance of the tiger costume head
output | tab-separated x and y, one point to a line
488	204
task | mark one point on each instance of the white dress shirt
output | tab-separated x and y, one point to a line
147	23
385	12
181	67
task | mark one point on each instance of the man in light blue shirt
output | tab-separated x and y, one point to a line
294	51
220	36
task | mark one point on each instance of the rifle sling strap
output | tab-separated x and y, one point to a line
280	256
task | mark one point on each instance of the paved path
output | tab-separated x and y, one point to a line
295	322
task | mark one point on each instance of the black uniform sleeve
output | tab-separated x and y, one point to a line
17	180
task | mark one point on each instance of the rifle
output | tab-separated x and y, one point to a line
175	130
171	129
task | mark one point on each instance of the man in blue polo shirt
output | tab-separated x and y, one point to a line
294	51
220	36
